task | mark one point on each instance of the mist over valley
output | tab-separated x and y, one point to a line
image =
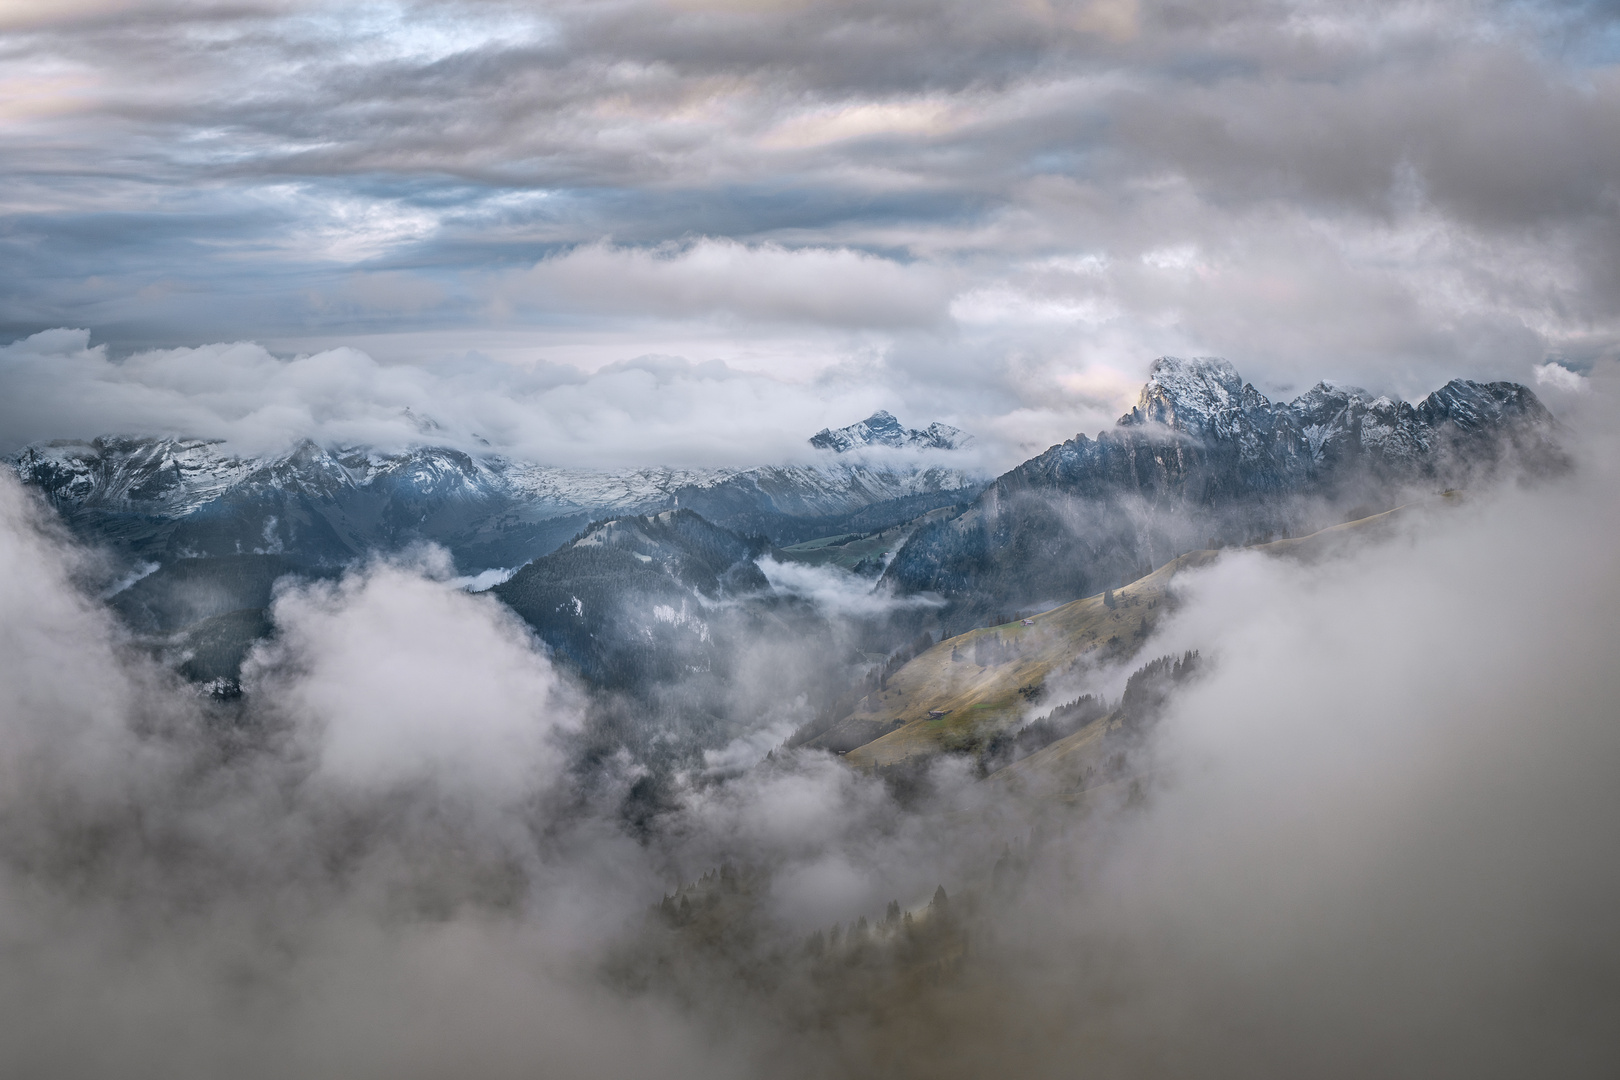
809	540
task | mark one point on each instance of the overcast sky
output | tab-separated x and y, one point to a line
770	216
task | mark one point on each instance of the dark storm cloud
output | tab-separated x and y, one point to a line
1389	194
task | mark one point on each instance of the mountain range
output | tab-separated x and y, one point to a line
647	577
163	499
205	533
1205	460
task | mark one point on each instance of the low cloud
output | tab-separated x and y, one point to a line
361	883
755	283
375	668
650	410
1374	834
838	592
379	860
1560	379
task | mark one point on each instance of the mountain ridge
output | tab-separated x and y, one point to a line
882	429
1202	461
168	497
1205	459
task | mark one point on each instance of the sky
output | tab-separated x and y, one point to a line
703	230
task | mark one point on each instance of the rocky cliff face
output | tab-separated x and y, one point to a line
1204	458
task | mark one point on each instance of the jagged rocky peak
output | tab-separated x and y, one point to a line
882	429
1475	406
1206	397
1189	395
128	469
1324	401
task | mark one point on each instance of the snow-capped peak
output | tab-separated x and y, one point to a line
1189	394
882	429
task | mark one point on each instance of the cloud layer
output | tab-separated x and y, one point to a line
652	410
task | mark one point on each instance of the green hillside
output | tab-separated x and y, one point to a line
959	693
980	681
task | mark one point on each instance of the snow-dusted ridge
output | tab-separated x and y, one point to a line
882	429
1206	399
1205	459
177	476
173	498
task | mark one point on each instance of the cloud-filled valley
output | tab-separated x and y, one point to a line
1374	833
809	538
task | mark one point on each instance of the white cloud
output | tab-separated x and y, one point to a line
266	908
837	591
654	410
754	282
1379	812
402	678
1555	376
